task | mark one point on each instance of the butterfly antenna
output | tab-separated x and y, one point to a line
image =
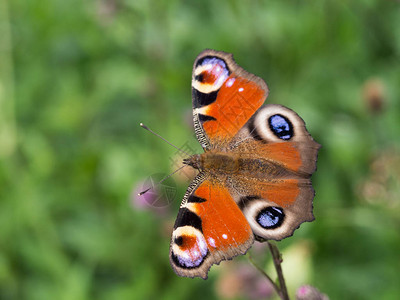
157	135
161	181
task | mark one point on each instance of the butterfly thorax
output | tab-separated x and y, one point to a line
232	163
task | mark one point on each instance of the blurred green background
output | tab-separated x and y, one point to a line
77	77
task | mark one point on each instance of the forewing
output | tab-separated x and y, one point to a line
224	97
209	228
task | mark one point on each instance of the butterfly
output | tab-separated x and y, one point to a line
254	180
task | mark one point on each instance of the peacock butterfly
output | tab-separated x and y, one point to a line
254	178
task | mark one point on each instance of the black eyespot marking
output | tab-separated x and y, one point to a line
281	127
195	199
179	241
204	118
199	77
201	99
188	218
270	217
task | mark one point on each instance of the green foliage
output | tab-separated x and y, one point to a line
77	77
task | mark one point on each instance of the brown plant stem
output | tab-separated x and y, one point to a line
276	287
277	259
280	288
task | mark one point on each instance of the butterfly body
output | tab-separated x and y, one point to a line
237	164
254	178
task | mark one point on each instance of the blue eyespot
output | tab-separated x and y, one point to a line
281	127
270	217
212	61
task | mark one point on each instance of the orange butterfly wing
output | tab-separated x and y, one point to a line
224	96
209	228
